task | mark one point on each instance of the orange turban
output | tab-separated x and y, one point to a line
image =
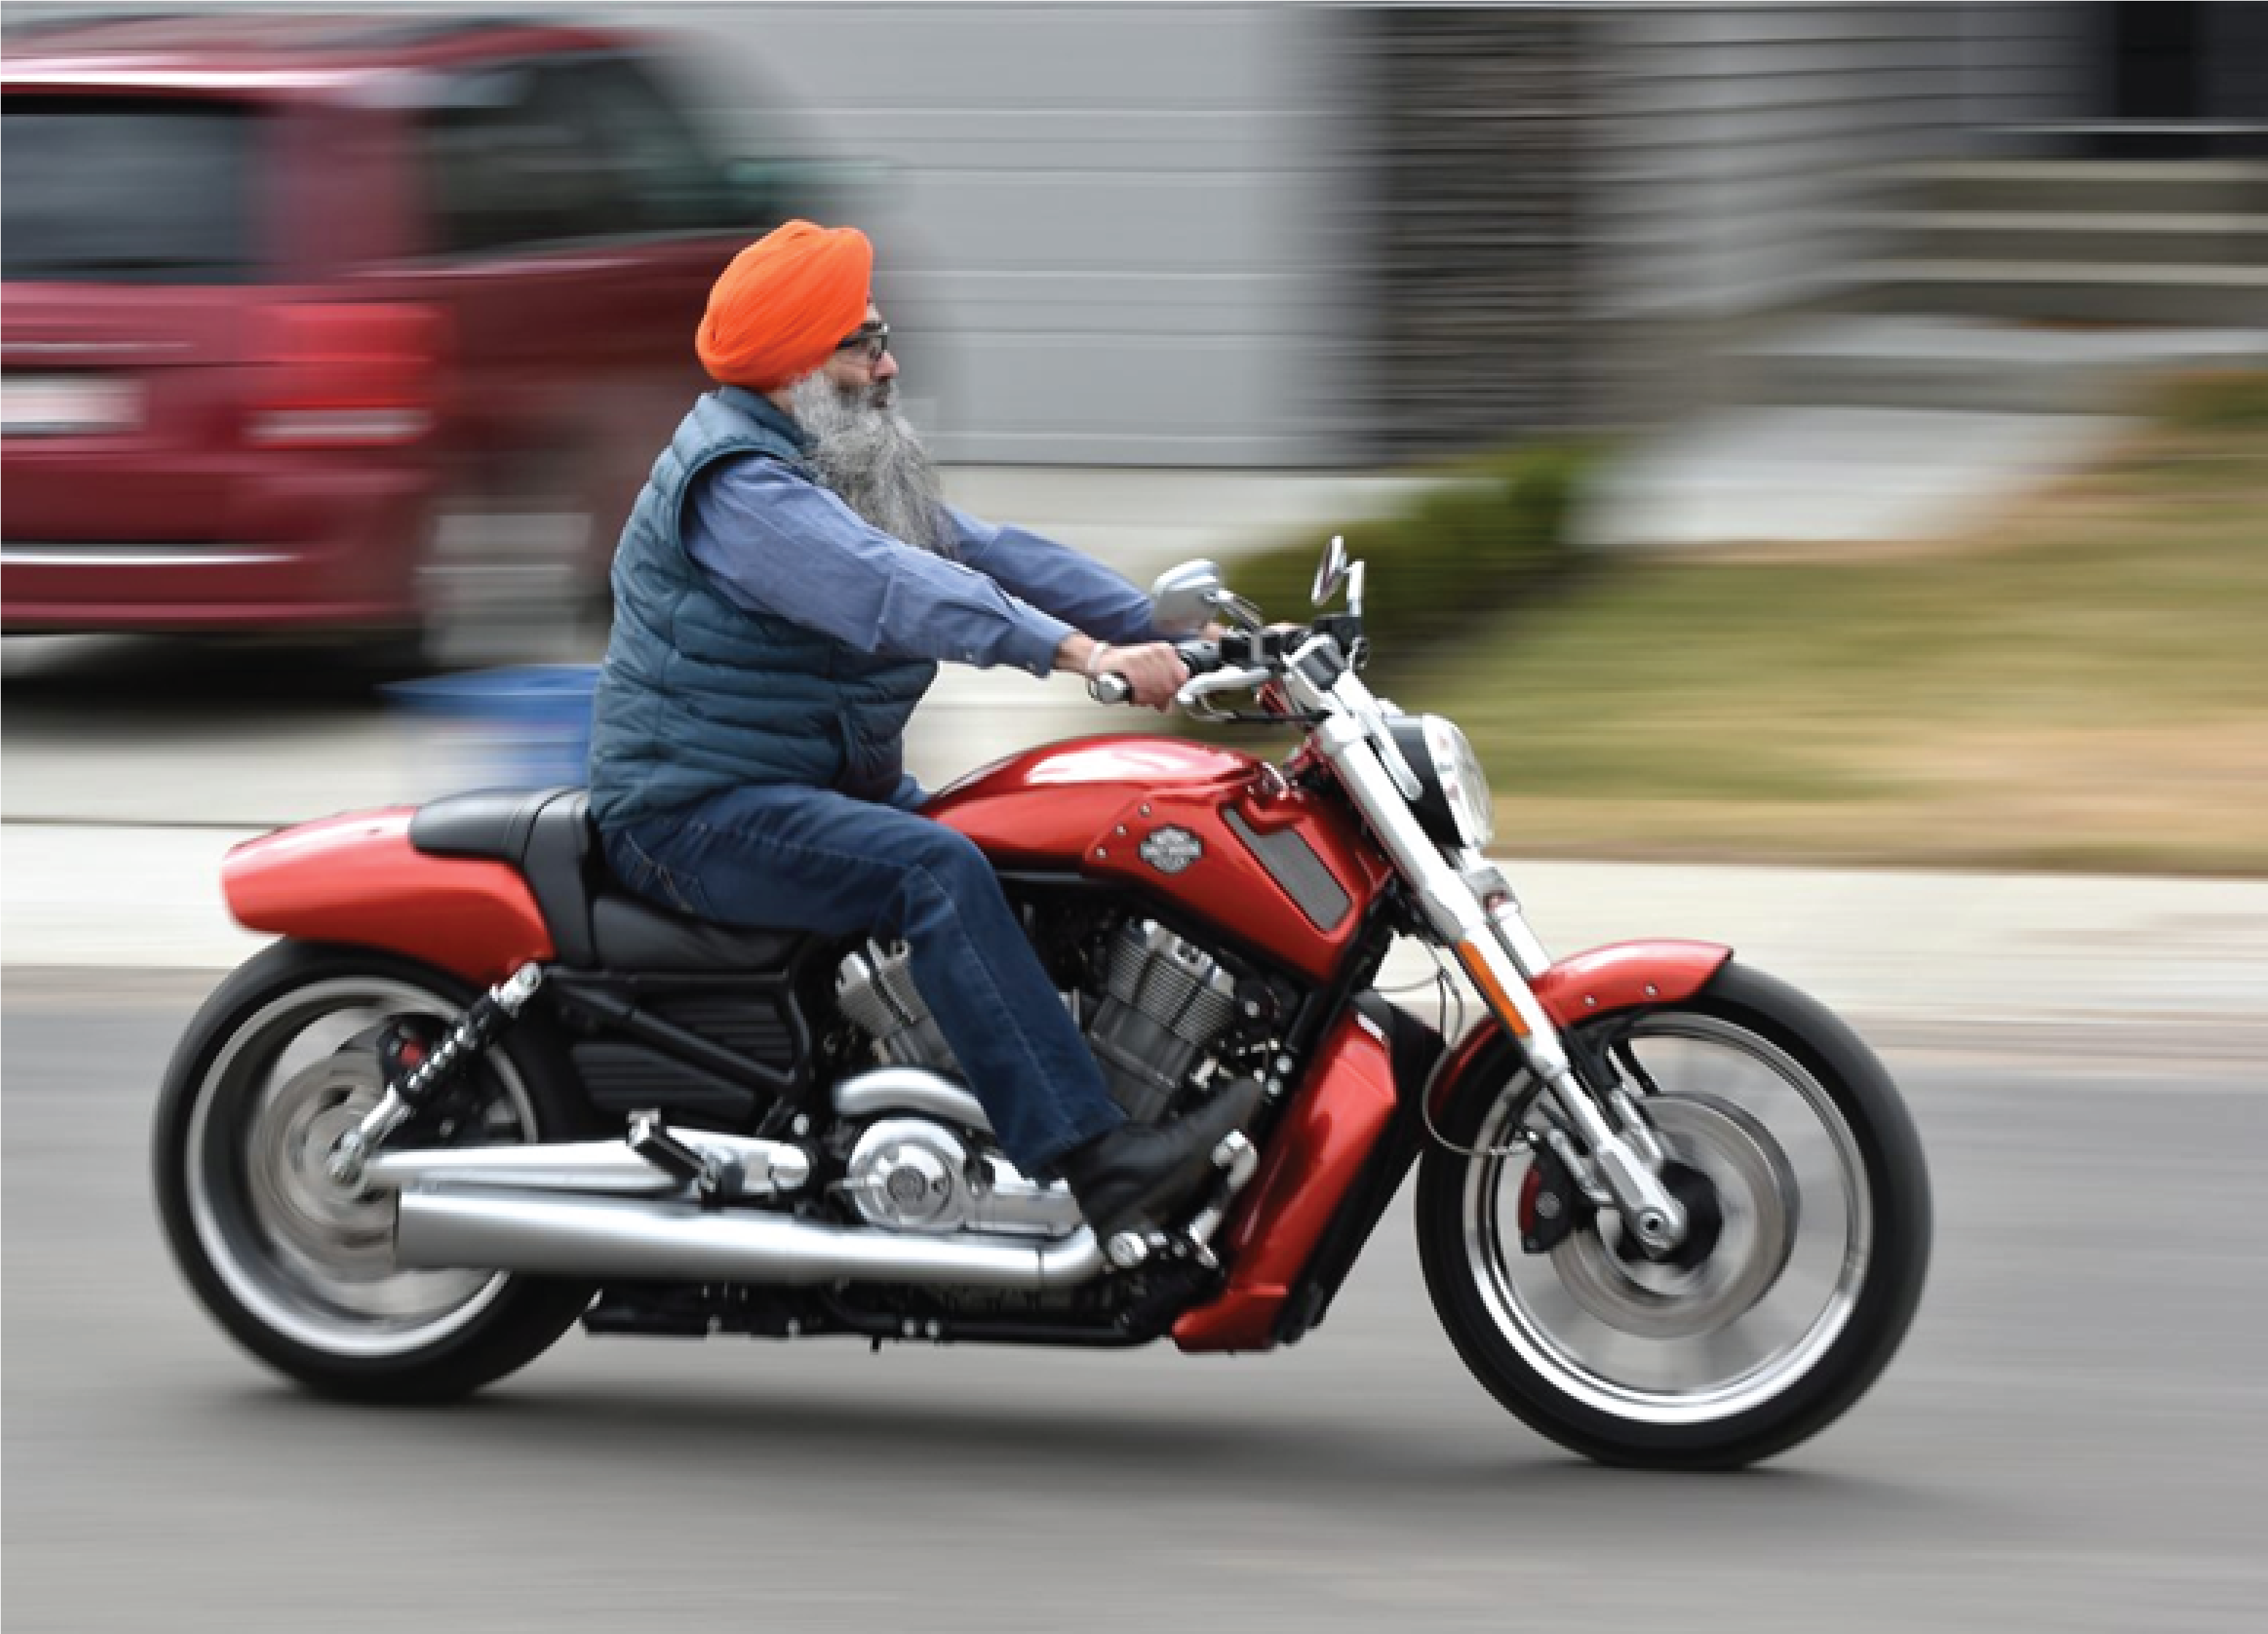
784	304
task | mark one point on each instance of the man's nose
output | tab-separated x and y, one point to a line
887	369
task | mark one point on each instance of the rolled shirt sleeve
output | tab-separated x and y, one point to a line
774	541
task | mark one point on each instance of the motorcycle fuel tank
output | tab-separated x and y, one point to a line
1282	870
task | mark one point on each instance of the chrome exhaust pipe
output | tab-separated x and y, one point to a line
745	1167
558	1234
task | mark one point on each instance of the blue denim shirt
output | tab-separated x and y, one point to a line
774	541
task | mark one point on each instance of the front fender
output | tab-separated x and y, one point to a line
1623	975
357	879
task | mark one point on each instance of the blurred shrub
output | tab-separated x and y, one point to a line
1495	530
2232	399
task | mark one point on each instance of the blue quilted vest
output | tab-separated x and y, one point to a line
698	695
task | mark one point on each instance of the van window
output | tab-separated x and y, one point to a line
661	179
560	149
503	171
151	190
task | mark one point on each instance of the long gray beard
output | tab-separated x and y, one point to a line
869	455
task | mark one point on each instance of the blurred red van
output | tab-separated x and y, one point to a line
370	326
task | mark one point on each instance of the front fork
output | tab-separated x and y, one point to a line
1501	957
1471	908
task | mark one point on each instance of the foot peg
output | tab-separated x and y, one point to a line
652	1140
1237	1160
719	1168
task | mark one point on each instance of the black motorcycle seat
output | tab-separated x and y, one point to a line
632	934
491	823
548	836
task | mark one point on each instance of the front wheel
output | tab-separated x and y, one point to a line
1809	1177
282	1058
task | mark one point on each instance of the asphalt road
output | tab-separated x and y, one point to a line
2075	1437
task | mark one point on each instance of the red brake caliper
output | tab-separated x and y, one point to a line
1550	1205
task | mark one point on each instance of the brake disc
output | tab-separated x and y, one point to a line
287	1149
1757	1197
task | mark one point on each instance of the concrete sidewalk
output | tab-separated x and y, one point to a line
1909	952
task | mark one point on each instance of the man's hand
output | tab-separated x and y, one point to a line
1155	670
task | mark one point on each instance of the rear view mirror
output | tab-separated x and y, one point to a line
1184	597
1330	570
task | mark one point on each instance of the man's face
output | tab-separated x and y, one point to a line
862	446
857	371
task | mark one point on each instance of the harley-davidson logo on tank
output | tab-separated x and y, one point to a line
1169	850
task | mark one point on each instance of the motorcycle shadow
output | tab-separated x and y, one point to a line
1151	1448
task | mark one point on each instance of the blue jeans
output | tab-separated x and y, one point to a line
803	858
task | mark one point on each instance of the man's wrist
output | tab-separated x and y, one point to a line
1077	653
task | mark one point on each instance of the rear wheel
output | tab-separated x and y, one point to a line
283	1059
1805	1181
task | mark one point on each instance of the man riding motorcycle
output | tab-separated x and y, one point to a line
784	589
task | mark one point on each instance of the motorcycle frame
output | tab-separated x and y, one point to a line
1350	1122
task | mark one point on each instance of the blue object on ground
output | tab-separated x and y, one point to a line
526	727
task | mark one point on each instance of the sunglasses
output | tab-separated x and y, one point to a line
871	341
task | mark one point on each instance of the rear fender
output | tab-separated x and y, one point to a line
1624	975
357	879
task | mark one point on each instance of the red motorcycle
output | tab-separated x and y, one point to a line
1671	1211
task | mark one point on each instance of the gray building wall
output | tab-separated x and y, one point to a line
1736	149
2025	65
1278	234
1741	159
1285	235
1108	234
1479	119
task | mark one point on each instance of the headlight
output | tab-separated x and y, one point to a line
1454	804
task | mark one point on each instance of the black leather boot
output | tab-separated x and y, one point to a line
1135	1177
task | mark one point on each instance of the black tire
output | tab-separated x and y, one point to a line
1874	1320
212	1220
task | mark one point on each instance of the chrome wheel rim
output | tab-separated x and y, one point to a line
310	1259
1651	1343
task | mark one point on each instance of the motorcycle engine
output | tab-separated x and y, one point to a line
1158	1001
913	1173
875	991
910	1174
1164	999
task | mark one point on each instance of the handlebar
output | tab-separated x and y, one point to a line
1241	658
1199	657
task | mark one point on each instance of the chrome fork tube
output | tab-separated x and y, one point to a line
1486	881
1494	960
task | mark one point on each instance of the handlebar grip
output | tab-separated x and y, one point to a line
1108	689
1199	657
